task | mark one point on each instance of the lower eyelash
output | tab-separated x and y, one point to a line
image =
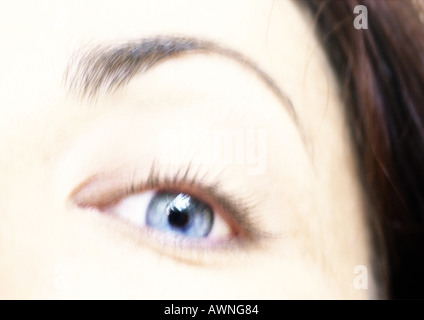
185	250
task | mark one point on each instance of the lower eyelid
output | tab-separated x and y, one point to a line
190	251
205	254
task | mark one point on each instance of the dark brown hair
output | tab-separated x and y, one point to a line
381	76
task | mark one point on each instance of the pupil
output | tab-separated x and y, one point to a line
178	218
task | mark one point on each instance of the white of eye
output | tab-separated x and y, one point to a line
133	209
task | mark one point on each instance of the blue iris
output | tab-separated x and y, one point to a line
179	213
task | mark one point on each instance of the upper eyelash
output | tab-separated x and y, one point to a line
240	210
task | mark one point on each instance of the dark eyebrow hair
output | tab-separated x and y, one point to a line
107	68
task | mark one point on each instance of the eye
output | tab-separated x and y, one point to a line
167	210
173	214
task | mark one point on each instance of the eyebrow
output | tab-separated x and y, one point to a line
108	68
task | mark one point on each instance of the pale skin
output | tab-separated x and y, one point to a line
307	203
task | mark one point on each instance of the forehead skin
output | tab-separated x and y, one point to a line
308	197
